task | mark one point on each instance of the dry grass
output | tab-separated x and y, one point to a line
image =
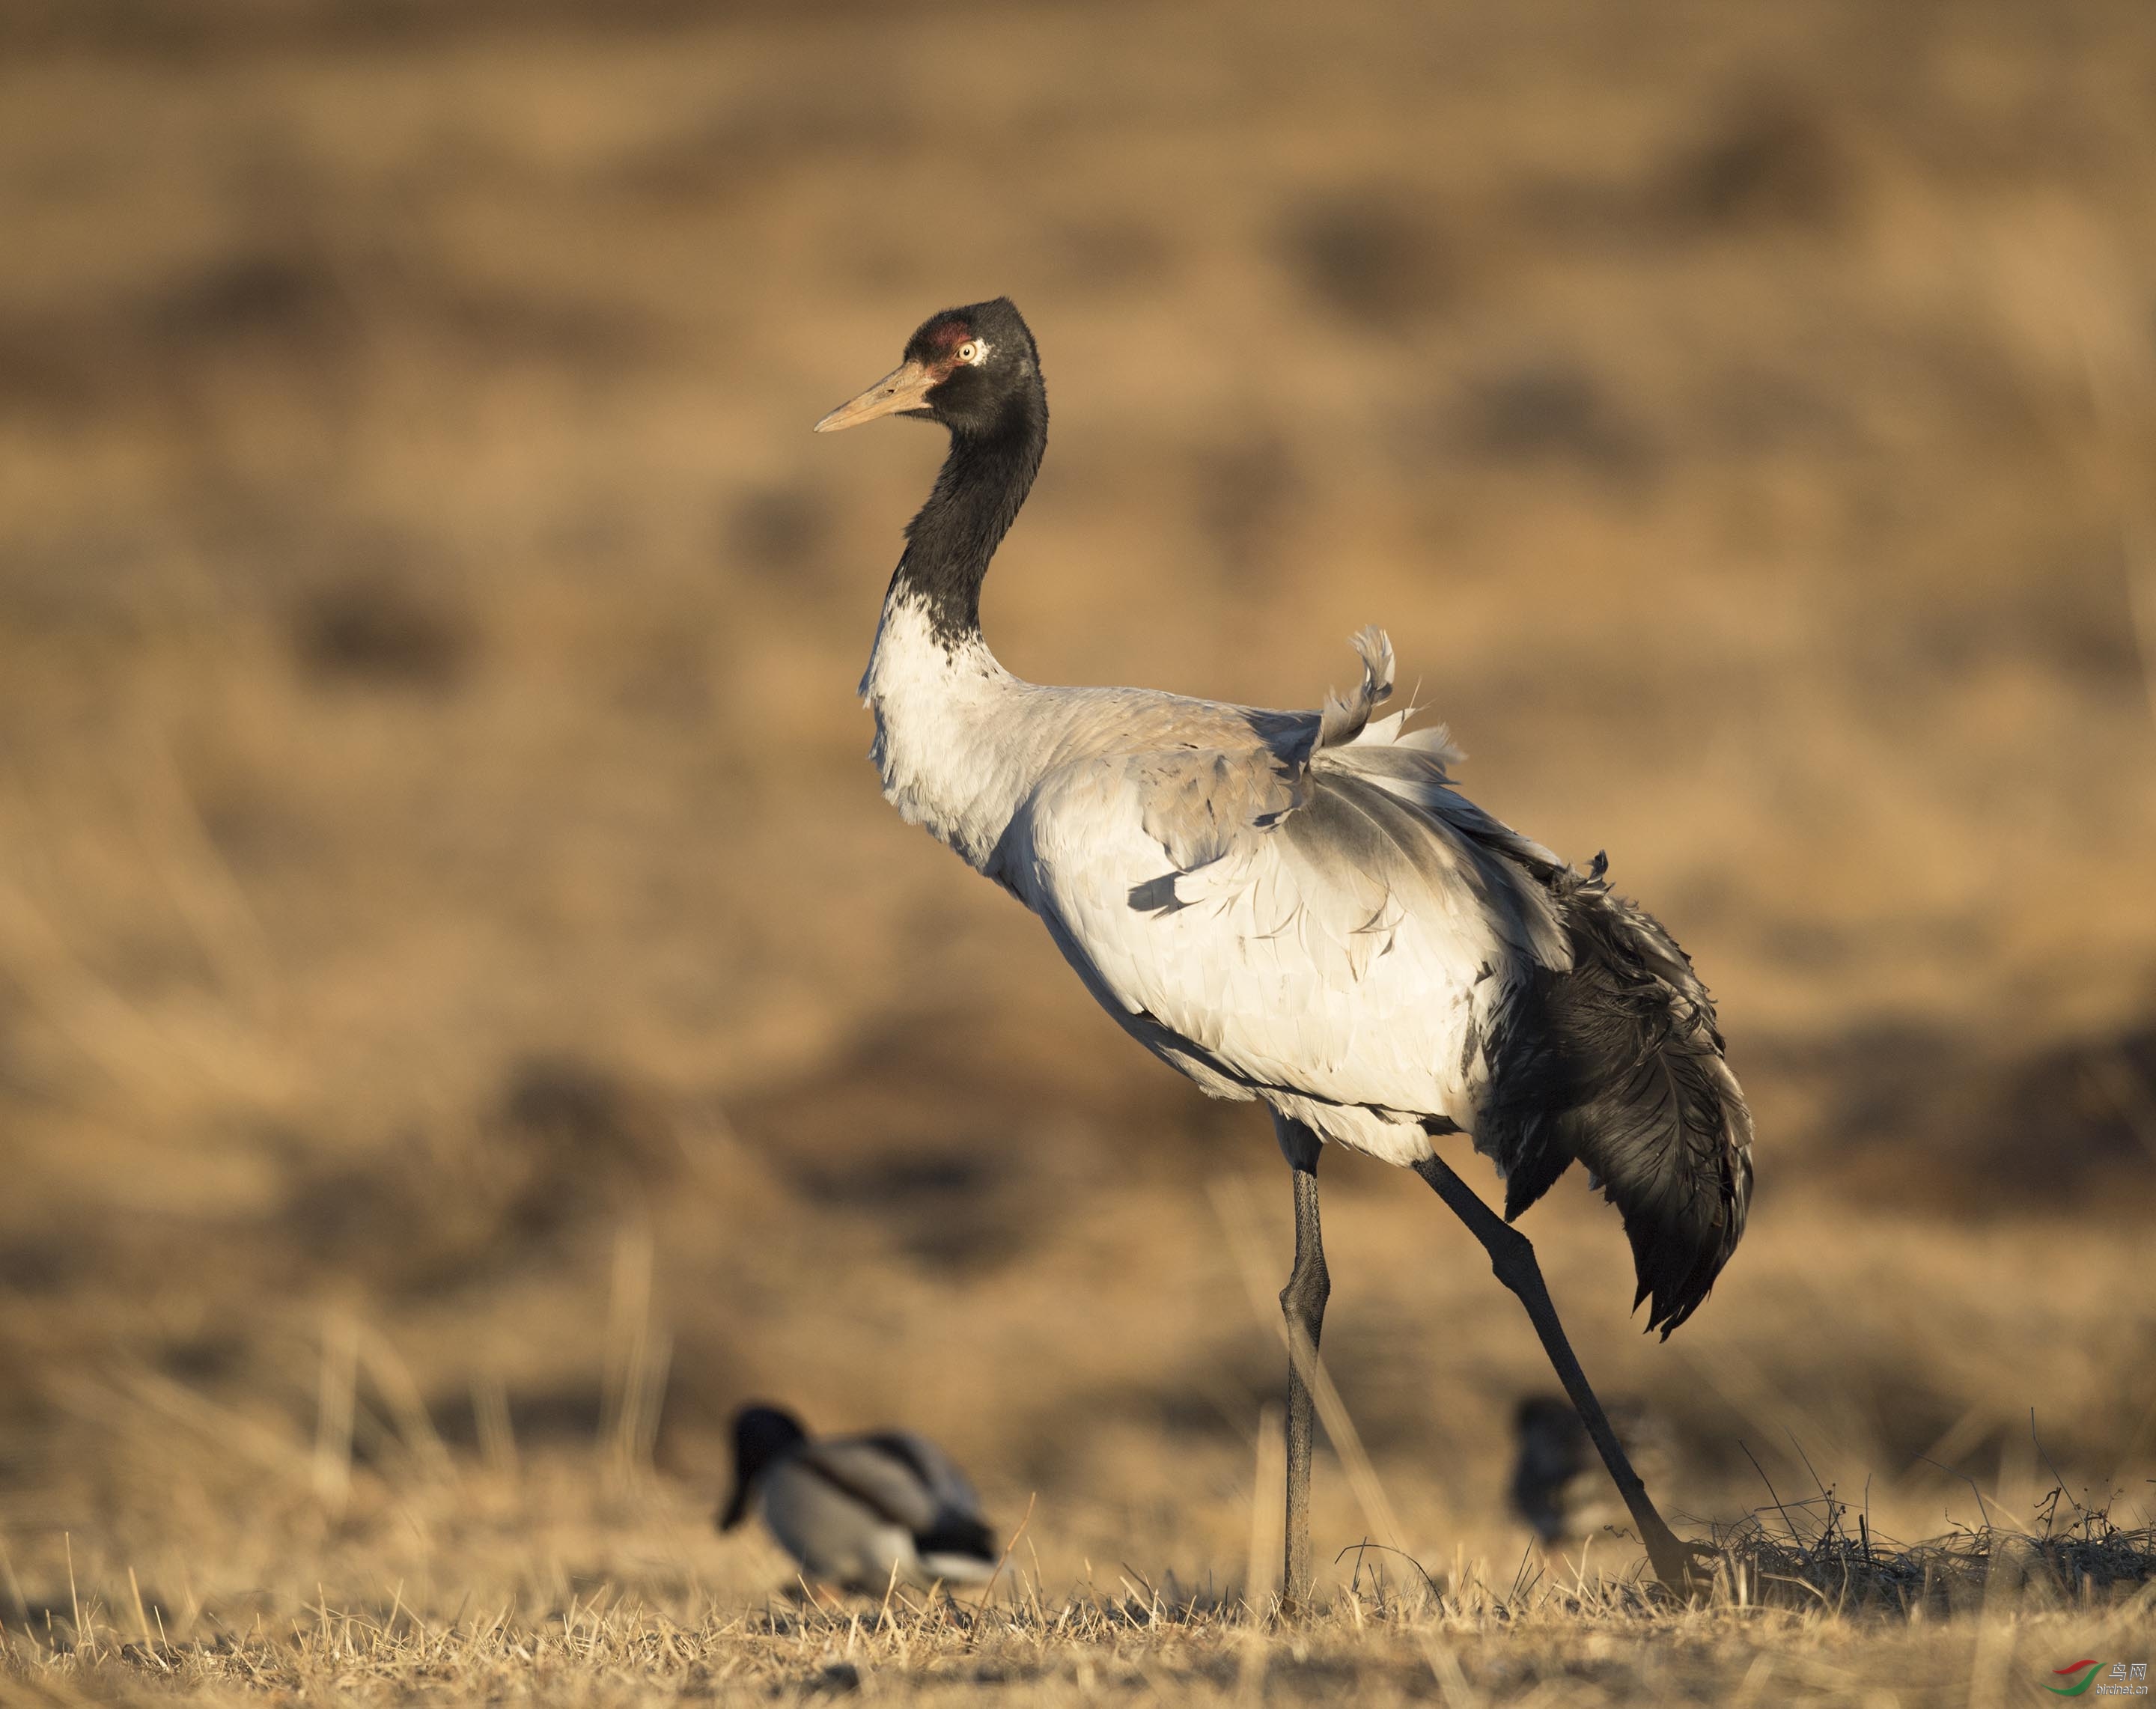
557	1584
253	1548
1820	1557
467	1020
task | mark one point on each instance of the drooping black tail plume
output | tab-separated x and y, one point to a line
1617	1063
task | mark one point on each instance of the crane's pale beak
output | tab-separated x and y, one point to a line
904	387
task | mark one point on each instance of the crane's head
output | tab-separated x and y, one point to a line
965	367
761	1435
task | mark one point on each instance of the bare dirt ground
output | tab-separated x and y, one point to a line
467	1019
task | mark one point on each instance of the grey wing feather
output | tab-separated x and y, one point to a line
1371	763
1198	801
1346	716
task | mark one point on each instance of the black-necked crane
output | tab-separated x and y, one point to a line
859	1511
1299	908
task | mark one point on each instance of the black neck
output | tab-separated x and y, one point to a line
975	499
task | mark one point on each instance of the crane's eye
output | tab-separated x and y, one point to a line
971	351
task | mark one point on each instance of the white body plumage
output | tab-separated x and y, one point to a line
1248	925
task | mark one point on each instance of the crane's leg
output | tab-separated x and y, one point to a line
1302	1303
1512	1257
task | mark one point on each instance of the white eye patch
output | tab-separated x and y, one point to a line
973	351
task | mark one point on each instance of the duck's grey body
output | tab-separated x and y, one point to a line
857	1510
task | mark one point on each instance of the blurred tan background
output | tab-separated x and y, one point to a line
467	1019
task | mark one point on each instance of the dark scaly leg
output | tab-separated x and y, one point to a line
1302	1303
1512	1257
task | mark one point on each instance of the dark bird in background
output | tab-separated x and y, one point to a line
1300	908
855	1510
1557	1484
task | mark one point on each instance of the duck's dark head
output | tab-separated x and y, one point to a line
761	1435
973	369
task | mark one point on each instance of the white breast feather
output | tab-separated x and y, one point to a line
953	742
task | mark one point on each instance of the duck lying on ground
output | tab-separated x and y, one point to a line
855	1510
